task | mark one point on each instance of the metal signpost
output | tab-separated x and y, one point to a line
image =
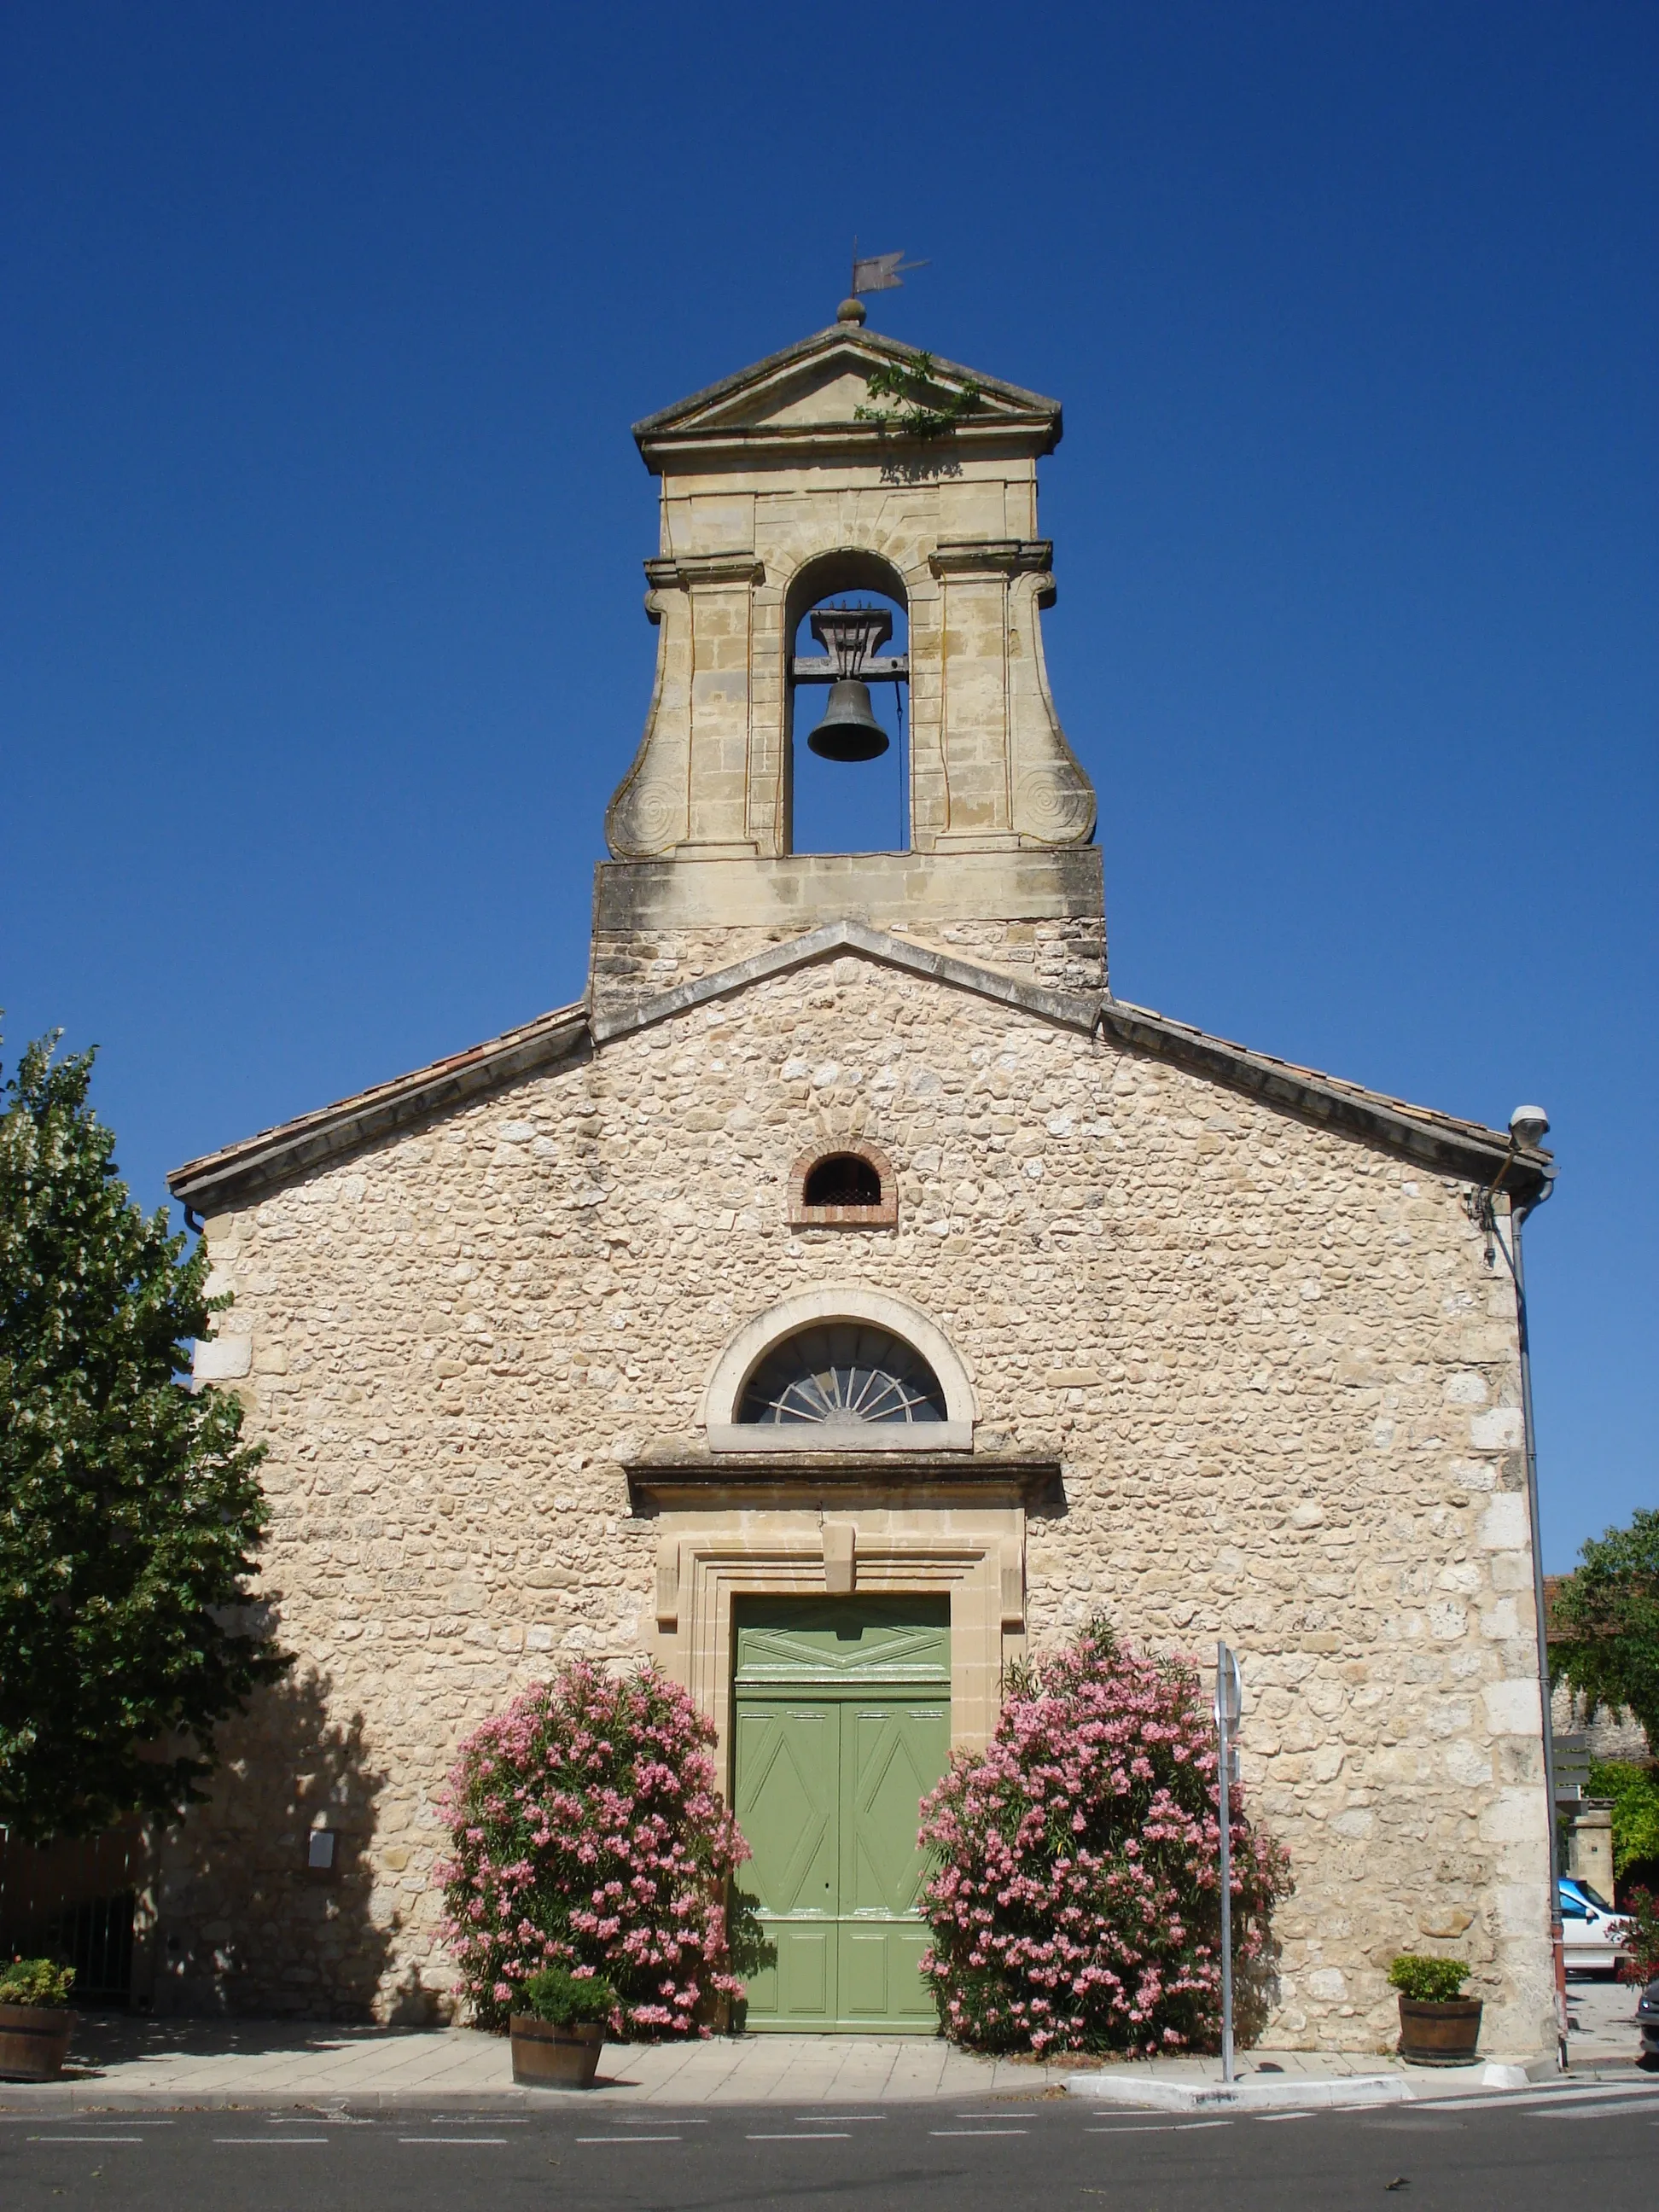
1229	1710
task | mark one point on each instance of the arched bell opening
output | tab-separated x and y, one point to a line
847	618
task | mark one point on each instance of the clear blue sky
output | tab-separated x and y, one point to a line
322	525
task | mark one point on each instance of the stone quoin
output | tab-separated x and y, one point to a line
552	1355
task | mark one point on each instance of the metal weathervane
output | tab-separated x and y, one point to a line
880	273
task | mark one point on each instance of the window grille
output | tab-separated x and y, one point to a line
840	1375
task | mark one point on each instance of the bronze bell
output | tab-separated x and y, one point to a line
850	731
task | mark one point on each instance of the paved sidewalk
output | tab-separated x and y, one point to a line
118	2063
138	2061
1602	2024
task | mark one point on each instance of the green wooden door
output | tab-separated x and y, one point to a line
842	1721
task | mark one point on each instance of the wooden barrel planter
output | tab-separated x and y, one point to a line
34	2041
1439	2034
551	2057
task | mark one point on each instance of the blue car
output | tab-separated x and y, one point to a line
1647	2015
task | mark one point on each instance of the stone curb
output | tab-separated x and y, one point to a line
1338	2090
1242	2096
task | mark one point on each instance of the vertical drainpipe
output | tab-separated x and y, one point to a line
1518	1214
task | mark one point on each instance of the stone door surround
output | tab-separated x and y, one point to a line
866	1541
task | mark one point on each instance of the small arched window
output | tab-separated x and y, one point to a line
840	1375
842	1370
842	1179
847	1186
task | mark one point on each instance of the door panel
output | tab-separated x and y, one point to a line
806	1980
913	2004
788	1759
864	1960
892	1755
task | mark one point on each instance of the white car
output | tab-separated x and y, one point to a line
1592	1932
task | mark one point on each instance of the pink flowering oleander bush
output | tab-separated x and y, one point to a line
1074	1895
587	1832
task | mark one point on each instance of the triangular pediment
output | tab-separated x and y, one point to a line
821	383
1464	1149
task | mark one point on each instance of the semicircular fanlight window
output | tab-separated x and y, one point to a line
841	1375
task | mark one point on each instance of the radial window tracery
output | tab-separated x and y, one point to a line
842	1374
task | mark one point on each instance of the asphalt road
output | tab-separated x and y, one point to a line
1062	2153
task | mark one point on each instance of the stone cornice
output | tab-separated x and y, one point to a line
681	1471
991	557
1467	1151
686	570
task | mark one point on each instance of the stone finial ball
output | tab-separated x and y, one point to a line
850	311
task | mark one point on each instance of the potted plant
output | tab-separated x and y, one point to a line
35	2022
1439	2025
558	2038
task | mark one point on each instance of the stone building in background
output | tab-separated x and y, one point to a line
849	1296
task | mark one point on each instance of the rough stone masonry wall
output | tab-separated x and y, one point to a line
1280	1372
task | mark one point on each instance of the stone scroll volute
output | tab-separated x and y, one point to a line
648	814
1053	801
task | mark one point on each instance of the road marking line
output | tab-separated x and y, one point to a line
1582	2113
1523	2100
828	2135
85	2139
978	2131
1285	2116
627	2139
444	2139
1158	2127
271	2142
805	2118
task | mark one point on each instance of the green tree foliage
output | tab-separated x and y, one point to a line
1605	1639
130	1508
1634	1791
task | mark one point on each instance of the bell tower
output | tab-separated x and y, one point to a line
786	487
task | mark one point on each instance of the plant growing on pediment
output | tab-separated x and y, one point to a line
925	408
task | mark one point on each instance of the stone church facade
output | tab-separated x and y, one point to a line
1158	1326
